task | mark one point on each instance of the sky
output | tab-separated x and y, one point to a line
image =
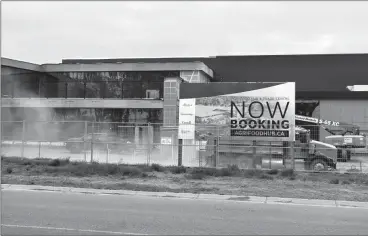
47	32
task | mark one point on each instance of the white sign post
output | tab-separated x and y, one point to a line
187	118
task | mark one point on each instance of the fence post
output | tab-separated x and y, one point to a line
172	148
84	140
217	156
92	140
292	146
39	149
254	154
270	153
23	137
292	153
107	153
149	143
216	152
180	153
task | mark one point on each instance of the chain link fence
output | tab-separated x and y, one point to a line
134	143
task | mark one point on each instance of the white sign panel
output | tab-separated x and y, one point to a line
306	119
166	140
187	118
260	111
348	140
316	120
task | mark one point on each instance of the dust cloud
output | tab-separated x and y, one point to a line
46	131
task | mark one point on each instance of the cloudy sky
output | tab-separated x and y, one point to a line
42	32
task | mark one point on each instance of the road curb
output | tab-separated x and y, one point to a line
252	199
299	201
349	204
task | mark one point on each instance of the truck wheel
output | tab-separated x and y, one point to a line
318	165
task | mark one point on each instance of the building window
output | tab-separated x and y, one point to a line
99	85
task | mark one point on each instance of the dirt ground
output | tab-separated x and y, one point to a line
330	186
218	185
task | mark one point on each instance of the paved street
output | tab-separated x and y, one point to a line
52	213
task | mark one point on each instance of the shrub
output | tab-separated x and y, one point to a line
178	169
334	181
205	171
52	170
142	167
265	176
41	161
130	171
287	173
252	173
74	163
55	162
225	172
157	167
64	161
79	173
273	172
58	162
112	169
9	170
345	182
27	163
196	176
85	169
293	177
233	168
14	160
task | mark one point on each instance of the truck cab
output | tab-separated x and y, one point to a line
316	155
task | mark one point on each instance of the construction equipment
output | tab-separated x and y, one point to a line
316	155
346	140
346	137
226	149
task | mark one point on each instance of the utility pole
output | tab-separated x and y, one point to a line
1	134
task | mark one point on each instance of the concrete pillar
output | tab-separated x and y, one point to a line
171	101
169	131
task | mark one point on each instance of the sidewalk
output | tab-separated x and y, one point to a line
249	199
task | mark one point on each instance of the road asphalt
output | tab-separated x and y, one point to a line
68	213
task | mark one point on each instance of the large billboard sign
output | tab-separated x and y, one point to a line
255	111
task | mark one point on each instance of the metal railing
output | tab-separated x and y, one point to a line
134	143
